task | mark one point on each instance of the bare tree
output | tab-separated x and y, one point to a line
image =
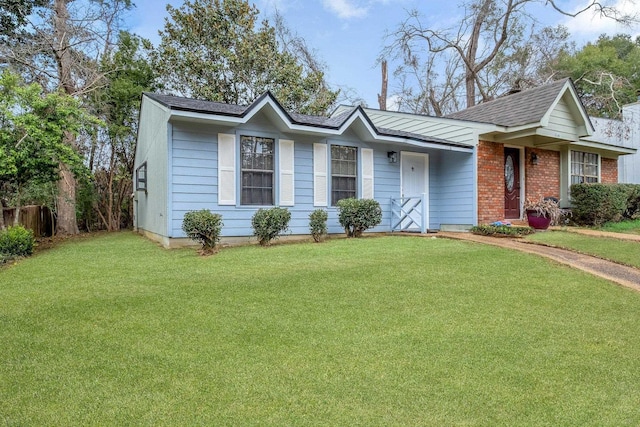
432	86
491	33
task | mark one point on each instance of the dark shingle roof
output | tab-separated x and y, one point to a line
211	107
220	108
195	105
528	106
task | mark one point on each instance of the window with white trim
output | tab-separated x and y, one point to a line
344	173
141	177
257	168
584	167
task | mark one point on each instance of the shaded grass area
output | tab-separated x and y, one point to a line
373	331
621	251
630	226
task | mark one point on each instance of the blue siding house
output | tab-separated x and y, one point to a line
234	160
474	166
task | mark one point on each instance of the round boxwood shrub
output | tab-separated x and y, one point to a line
16	242
318	224
270	223
358	215
204	227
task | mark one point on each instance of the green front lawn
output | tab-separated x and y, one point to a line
629	226
114	330
622	251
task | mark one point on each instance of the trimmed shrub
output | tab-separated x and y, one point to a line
16	242
318	224
358	215
595	204
268	224
203	227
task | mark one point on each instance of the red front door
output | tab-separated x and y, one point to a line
511	183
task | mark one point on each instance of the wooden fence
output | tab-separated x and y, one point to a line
36	218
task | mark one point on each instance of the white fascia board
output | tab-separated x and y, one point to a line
506	134
611	148
432	145
357	116
267	101
206	117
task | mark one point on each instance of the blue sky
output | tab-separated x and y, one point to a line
348	35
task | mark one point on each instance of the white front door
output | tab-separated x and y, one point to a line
414	183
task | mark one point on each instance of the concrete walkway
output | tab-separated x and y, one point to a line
617	273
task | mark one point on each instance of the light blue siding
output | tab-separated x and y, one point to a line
452	182
151	206
303	164
194	183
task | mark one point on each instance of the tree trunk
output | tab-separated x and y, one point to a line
16	218
110	225
61	49
66	201
382	97
67	223
470	59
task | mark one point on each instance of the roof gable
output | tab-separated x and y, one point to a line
532	107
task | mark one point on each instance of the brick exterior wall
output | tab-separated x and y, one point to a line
490	182
543	179
609	173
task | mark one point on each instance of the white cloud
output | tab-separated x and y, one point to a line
345	9
589	25
393	103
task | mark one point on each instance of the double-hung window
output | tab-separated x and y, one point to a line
344	172
257	164
584	167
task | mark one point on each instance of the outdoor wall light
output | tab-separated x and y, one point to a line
392	156
534	159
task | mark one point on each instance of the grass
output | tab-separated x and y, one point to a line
378	331
630	226
621	251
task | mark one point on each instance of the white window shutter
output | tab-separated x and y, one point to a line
320	175
226	169
287	184
367	173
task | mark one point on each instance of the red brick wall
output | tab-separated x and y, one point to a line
490	182
543	179
609	173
